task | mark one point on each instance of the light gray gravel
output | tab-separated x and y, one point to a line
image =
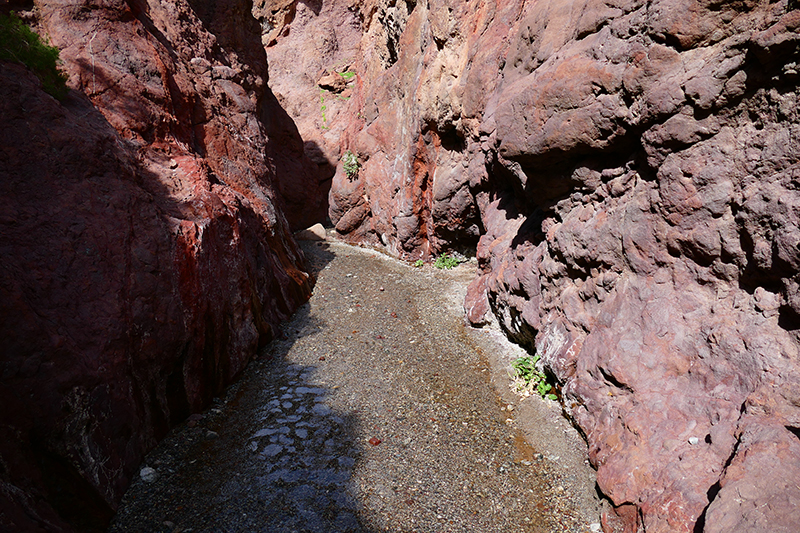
379	411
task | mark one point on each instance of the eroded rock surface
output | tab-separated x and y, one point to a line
311	49
628	172
143	255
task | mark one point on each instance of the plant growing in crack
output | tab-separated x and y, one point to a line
448	261
323	108
350	164
528	378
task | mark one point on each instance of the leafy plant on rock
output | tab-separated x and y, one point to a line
350	164
21	44
448	261
529	378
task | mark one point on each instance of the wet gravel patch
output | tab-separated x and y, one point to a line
376	412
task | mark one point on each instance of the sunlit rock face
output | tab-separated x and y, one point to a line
144	252
628	173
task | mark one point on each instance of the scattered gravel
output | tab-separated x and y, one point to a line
378	411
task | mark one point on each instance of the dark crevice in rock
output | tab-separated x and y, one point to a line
177	404
518	331
314	5
713	491
591	31
788	318
69	493
700	525
531	230
794	431
608	376
394	21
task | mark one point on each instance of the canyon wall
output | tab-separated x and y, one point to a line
144	254
628	174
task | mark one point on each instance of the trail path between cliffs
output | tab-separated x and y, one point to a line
379	411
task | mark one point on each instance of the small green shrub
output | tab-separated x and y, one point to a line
20	44
448	261
418	263
348	74
530	378
350	164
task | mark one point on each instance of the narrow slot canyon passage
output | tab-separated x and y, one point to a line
375	412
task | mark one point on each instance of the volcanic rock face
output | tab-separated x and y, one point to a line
311	47
143	254
629	173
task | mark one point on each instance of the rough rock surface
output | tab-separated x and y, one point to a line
143	255
309	45
628	172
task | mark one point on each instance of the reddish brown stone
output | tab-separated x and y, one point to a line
144	258
633	169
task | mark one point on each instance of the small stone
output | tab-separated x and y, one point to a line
509	407
693	440
211	434
595	528
321	409
272	450
375	441
148	474
346	462
314	233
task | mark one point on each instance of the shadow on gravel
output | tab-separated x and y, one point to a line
269	456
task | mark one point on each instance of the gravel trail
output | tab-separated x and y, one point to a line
378	411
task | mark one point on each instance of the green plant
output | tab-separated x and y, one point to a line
448	261
323	108
348	74
529	378
418	263
19	43
350	164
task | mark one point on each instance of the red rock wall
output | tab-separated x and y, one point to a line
628	172
306	43
144	256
